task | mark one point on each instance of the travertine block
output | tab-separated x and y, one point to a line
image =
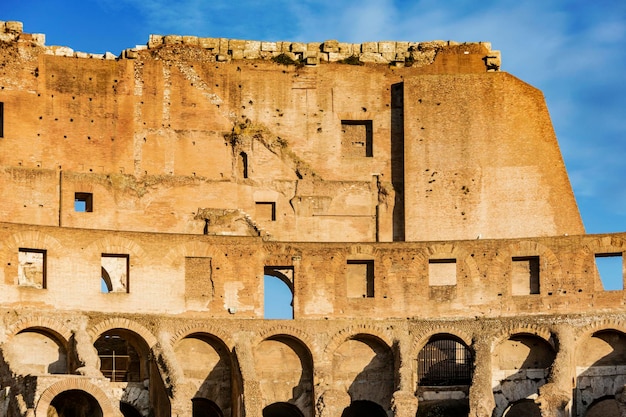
209	43
330	46
172	39
269	47
155	41
13	27
298	47
371	57
369	47
236	45
190	40
387	47
313	46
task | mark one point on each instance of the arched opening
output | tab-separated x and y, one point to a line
601	366
129	411
206	363
282	409
37	351
106	285
603	407
445	361
364	364
205	408
523	408
278	293
124	359
284	370
74	403
123	356
361	408
521	365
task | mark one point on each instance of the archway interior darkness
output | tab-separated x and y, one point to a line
129	411
74	403
524	408
120	358
282	409
444	361
363	408
604	407
205	408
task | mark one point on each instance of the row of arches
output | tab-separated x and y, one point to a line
362	365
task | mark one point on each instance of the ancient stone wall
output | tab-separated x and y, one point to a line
410	196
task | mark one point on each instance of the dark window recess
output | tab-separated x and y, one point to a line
83	202
357	138
1	119
266	211
244	164
525	275
444	362
360	279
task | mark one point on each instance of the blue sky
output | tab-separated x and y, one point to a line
572	50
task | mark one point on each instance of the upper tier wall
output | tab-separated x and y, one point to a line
386	52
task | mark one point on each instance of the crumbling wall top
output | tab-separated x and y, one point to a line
398	53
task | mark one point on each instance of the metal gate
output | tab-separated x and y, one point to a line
444	362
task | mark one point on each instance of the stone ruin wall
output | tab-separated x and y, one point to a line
495	259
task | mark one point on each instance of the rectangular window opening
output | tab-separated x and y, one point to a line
83	202
441	272
31	271
266	211
115	273
1	119
610	269
525	275
360	279
357	138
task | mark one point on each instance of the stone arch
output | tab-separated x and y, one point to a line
122	323
363	365
53	326
360	329
210	372
80	384
117	244
36	240
208	329
600	363
523	408
601	325
285	330
530	329
419	343
288	359
522	360
38	349
606	406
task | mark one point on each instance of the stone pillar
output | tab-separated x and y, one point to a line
404	404
480	394
251	398
86	353
331	403
555	397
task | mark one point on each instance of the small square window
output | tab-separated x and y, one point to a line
266	211
83	202
610	269
114	273
356	138
525	275
441	272
1	119
31	271
360	279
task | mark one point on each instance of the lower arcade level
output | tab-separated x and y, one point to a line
107	365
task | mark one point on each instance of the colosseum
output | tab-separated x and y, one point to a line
411	196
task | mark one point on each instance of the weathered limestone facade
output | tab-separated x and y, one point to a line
411	196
